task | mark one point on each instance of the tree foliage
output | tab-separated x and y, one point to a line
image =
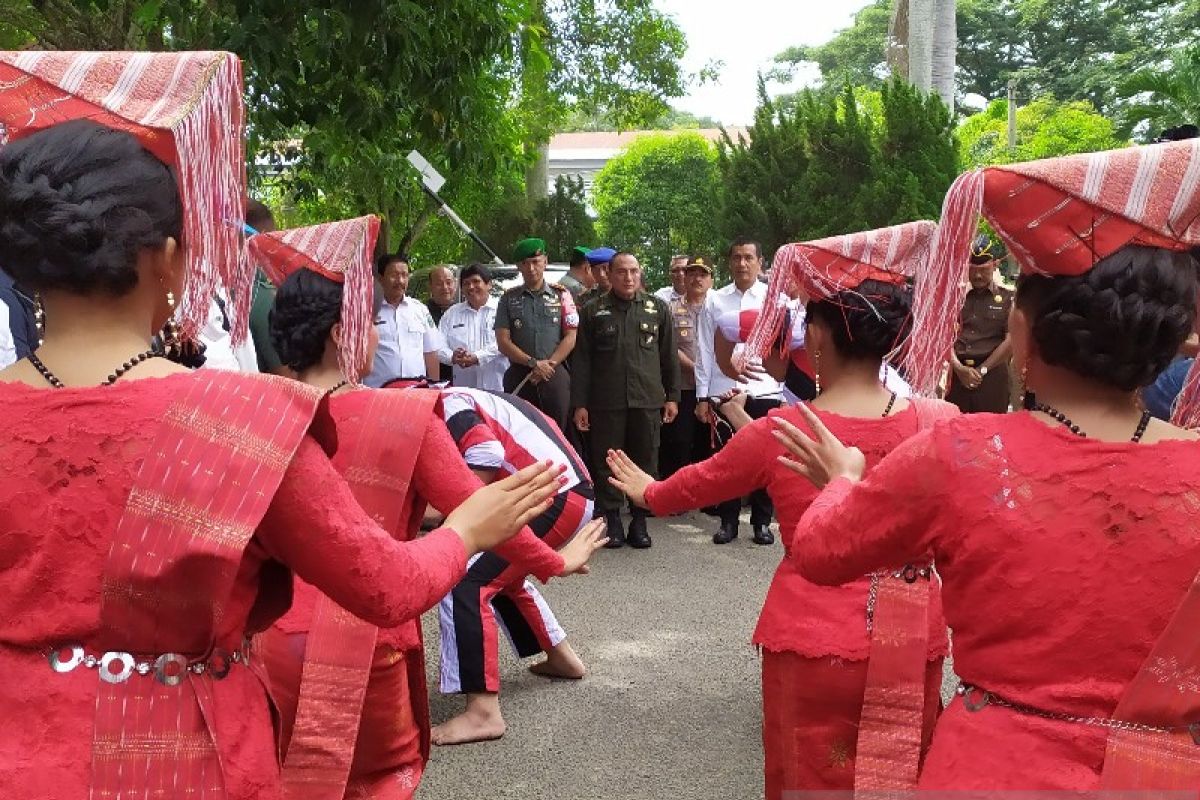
832	162
561	219
1071	49
856	55
1163	97
339	91
658	198
1045	128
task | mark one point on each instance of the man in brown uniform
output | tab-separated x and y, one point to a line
979	363
686	440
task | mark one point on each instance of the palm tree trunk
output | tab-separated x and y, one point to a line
920	43
945	47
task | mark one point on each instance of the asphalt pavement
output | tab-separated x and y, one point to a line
670	707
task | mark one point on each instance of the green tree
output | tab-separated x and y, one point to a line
1160	98
338	91
762	174
561	219
829	163
1045	128
856	55
1071	49
918	156
658	198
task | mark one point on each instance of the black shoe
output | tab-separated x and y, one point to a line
763	535
727	533
615	532
638	536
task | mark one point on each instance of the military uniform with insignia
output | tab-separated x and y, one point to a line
538	322
685	440
983	331
625	369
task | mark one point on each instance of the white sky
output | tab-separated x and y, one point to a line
746	35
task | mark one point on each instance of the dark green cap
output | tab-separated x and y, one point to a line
528	248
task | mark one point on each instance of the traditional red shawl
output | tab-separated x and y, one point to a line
186	109
1058	217
341	251
824	267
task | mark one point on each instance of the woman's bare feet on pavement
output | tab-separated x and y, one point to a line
561	662
481	722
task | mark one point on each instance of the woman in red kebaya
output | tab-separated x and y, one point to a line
1067	533
825	648
151	515
352	697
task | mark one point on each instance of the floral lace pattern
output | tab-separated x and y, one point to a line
68	459
1062	560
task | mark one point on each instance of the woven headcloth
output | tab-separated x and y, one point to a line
341	251
1058	217
825	267
186	109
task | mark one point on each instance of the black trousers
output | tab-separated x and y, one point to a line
634	430
685	440
761	508
992	396
552	398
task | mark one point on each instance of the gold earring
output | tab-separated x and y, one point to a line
1027	399
171	299
817	371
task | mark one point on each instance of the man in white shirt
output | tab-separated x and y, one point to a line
678	287
746	292
468	337
219	351
409	340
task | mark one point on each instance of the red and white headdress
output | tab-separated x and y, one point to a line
1058	217
340	251
186	109
825	267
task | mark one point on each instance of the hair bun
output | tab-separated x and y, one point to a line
77	202
1122	322
869	321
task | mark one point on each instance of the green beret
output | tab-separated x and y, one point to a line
528	248
579	252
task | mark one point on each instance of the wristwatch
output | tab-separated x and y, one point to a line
982	372
531	363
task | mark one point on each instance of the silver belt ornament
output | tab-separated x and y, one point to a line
168	669
976	699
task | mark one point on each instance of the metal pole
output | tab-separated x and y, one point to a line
448	212
1012	114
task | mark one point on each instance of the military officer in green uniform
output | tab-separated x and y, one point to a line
625	385
535	330
979	380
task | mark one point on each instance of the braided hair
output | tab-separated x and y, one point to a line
78	201
1121	322
868	322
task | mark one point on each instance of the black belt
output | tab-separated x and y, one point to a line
970	361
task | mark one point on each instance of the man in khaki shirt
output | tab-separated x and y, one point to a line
685	440
979	361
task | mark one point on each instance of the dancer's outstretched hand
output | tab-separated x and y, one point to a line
628	477
820	459
494	513
579	550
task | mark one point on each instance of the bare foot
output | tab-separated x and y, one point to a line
561	663
481	722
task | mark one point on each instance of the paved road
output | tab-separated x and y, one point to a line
671	706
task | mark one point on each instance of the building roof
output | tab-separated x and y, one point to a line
613	142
